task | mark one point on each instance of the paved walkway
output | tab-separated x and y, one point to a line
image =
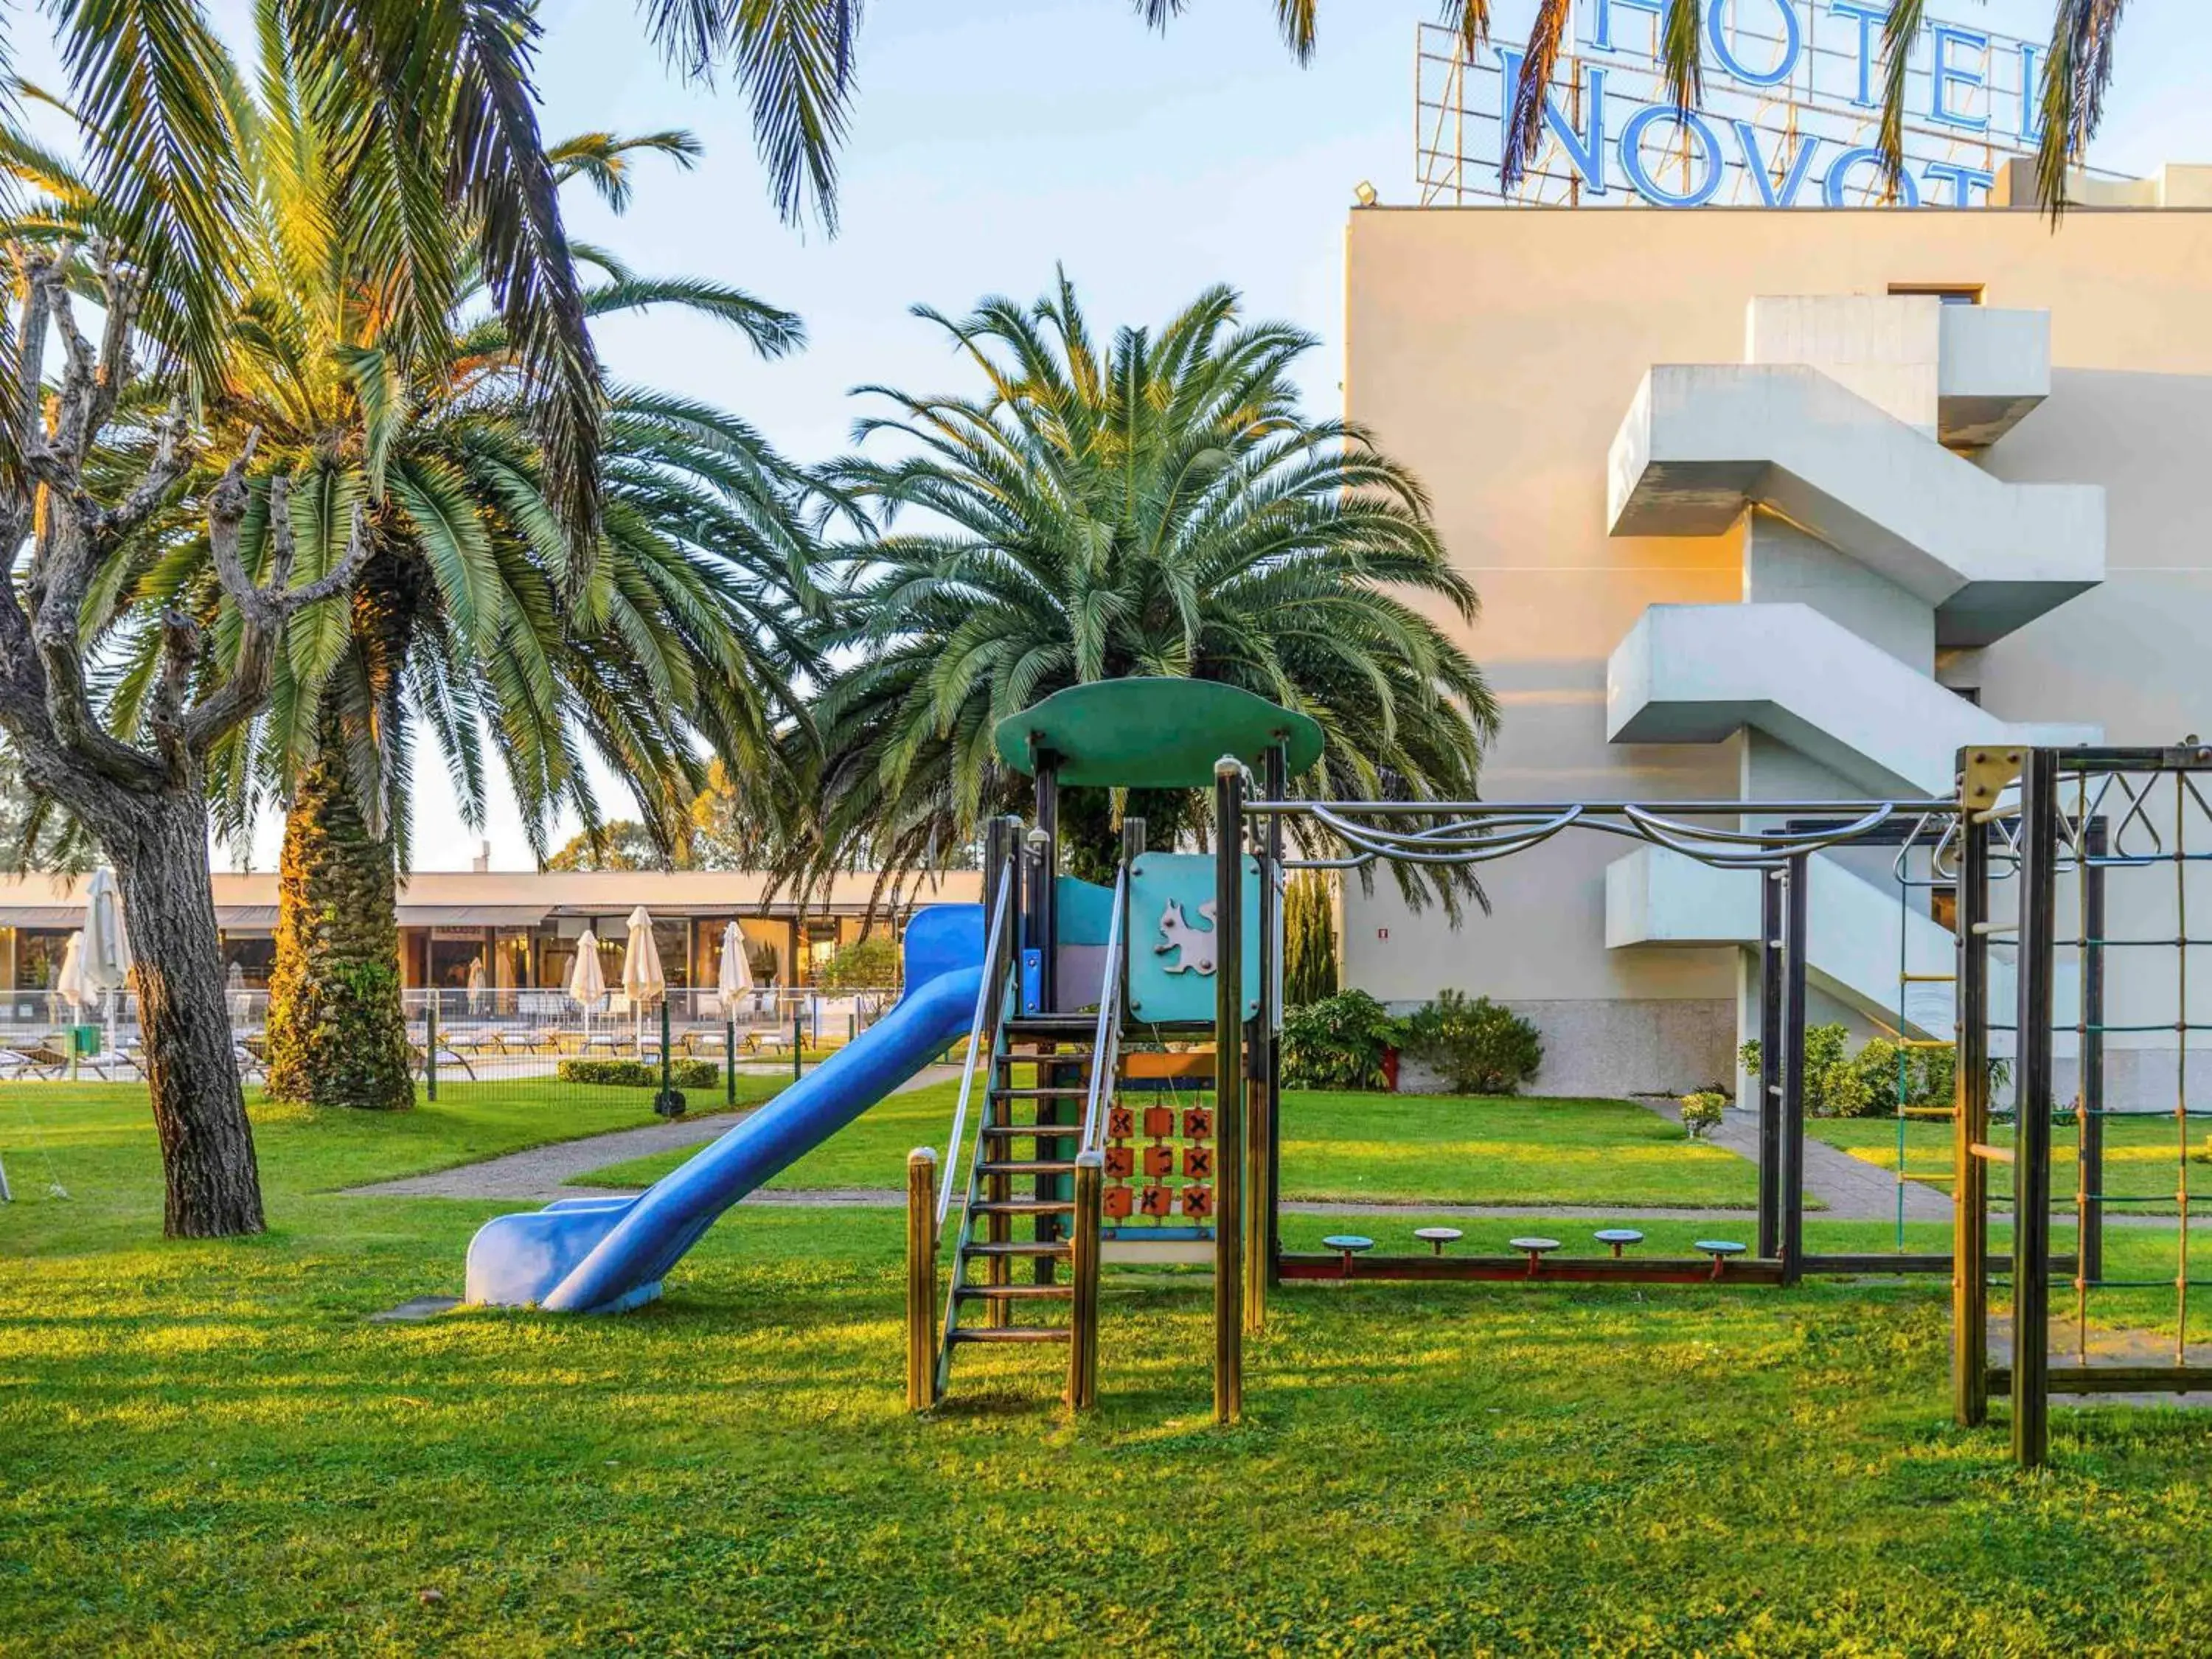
542	1172
1851	1189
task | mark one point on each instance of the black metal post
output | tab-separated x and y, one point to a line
798	1046
431	1046
2031	1169
2090	1248
668	1102
1970	1129
1771	1055
729	1057
1228	1085
1269	1198
1796	926
1047	905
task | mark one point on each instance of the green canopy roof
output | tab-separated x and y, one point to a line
1153	733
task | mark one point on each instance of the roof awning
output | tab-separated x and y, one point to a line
471	915
244	918
41	915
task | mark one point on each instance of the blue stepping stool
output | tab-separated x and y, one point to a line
1348	1245
1535	1249
1436	1238
1618	1237
1720	1249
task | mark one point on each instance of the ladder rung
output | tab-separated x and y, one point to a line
1010	1334
1013	1292
1023	1207
1016	1130
1029	1166
1050	1091
1019	1247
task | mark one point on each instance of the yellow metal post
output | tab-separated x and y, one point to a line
921	1279
1083	1309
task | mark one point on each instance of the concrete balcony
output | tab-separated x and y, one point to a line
1702	443
1700	673
1993	368
1657	897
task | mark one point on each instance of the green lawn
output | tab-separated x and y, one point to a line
2141	1156
204	1450
1394	1148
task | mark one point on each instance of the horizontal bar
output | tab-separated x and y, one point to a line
2113	758
2169	1026
1993	1154
1490	809
2146	1284
1899	1262
2167	1116
2114	1379
2157	944
2128	1198
1586	1270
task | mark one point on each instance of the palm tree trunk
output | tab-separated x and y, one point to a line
337	1035
159	843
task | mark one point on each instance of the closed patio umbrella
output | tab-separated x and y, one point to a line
587	981
735	976
475	986
105	962
643	981
70	986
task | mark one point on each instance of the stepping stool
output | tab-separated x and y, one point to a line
1436	1238
1535	1249
1720	1249
1348	1245
1617	1237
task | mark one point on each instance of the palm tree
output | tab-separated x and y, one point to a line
795	62
467	615
425	111
1158	507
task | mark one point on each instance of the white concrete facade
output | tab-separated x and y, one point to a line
1755	515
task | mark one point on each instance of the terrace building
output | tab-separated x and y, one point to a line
522	926
1778	503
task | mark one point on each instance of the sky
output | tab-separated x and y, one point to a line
995	140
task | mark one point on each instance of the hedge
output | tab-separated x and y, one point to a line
640	1073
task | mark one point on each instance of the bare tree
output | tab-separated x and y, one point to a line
144	798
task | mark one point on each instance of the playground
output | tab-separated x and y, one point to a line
1040	1308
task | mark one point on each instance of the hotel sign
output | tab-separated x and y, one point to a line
1791	111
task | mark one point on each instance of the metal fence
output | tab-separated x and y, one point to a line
462	1035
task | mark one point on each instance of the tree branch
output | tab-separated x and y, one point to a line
265	607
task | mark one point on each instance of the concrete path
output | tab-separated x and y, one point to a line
1851	1189
540	1172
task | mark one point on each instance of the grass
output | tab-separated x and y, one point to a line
206	1450
1407	1149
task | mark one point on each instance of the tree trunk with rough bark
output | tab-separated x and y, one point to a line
338	1034
159	844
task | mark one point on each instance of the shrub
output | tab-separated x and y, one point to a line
865	965
1481	1047
640	1073
1338	1042
1701	1112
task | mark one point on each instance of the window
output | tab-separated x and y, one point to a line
1951	294
1943	908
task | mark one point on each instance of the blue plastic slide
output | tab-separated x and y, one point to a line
603	1255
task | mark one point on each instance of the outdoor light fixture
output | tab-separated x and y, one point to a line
1364	193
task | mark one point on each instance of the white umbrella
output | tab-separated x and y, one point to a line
106	965
587	981
642	980
735	976
475	986
70	986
